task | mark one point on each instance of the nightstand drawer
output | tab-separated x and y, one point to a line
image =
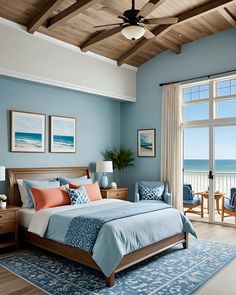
7	227
122	195
7	216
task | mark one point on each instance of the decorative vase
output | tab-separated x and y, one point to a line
104	181
113	185
3	205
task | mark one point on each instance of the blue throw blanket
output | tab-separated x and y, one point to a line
89	225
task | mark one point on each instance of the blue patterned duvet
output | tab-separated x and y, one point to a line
109	231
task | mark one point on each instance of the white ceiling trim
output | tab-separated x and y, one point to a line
46	81
66	45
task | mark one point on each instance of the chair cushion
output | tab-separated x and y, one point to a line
187	193
195	201
151	193
228	206
233	196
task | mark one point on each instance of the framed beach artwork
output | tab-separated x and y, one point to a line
62	134
146	142
27	132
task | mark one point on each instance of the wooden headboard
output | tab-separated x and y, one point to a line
38	174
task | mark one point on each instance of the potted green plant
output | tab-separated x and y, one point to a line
121	158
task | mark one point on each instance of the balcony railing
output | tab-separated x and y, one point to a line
224	181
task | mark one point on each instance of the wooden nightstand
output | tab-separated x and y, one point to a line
9	227
118	193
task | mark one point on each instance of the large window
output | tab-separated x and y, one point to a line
199	97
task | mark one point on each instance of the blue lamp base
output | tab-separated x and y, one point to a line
104	181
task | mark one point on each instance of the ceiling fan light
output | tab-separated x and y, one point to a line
133	32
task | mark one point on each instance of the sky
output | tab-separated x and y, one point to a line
28	123
63	126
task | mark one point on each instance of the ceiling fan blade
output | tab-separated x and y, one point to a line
108	25
149	7
162	21
113	11
148	34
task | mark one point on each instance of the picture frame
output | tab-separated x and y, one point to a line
27	132
62	134
146	142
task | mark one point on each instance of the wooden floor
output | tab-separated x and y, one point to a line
223	283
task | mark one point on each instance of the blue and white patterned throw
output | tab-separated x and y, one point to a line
78	196
154	193
175	271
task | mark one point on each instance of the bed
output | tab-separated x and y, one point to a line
73	253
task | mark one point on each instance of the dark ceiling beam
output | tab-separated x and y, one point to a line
43	14
71	11
184	17
170	45
228	16
100	37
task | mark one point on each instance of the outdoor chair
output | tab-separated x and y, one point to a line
191	200
229	205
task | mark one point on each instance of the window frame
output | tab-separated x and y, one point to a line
212	101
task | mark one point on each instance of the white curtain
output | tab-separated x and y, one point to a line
172	142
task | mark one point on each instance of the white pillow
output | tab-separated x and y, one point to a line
23	193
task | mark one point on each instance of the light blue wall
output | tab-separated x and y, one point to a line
213	54
98	122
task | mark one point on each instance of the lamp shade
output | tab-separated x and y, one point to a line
133	32
104	166
2	173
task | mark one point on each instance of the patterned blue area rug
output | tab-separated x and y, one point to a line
175	271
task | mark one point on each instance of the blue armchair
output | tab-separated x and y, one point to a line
165	196
191	200
229	205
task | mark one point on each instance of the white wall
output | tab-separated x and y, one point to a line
43	59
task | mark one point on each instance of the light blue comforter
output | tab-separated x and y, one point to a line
113	232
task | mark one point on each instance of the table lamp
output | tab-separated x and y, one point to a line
2	173
104	167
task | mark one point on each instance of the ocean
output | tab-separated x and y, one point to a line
61	141
202	165
28	140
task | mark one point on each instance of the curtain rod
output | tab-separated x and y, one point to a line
195	78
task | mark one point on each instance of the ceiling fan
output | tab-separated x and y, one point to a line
135	23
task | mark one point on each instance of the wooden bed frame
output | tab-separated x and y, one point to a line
72	253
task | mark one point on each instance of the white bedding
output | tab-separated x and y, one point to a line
26	216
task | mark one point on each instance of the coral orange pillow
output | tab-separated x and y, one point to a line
93	191
74	186
50	197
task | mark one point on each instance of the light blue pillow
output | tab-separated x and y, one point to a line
78	196
151	193
38	184
78	180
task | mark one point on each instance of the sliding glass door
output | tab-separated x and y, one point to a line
209	114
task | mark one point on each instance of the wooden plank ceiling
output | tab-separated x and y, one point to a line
73	22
